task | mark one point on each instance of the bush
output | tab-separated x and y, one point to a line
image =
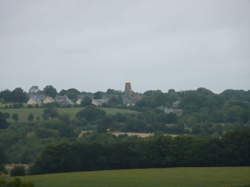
86	101
91	113
3	170
18	171
16	182
31	117
15	117
50	112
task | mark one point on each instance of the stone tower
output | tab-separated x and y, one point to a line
129	97
127	87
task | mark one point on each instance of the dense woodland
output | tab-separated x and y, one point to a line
206	127
102	152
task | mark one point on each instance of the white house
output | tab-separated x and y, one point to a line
48	100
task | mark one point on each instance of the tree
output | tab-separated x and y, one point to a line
2	156
15	117
31	117
113	92
50	91
115	100
86	101
7	115
18	171
104	124
14	182
99	152
91	113
236	112
3	120
34	90
50	112
6	95
16	96
98	95
19	96
71	93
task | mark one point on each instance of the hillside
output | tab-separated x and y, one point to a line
23	113
174	177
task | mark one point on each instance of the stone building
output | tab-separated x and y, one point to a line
63	100
130	97
99	102
48	100
36	100
128	87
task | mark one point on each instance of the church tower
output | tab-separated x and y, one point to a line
127	87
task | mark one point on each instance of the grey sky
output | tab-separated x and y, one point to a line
95	45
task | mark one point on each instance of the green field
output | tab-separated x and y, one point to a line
169	177
23	113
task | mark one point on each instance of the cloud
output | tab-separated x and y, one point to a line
96	45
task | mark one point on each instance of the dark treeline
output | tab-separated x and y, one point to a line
23	141
201	105
202	113
18	95
99	152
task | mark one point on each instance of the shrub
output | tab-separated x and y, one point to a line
3	170
16	182
15	117
17	171
31	117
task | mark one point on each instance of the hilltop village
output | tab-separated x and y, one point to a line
31	122
110	98
128	97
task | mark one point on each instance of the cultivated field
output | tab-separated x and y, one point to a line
23	113
169	177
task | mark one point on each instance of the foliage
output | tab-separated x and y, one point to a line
2	156
50	91
14	182
19	96
2	169
71	93
115	101
3	120
31	117
86	101
15	117
50	112
18	171
98	95
204	113
90	113
23	113
6	95
153	152
15	96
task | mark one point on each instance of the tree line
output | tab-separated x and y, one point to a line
102	152
23	141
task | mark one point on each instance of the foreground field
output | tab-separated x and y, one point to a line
23	113
172	177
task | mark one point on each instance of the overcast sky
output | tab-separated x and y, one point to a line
155	44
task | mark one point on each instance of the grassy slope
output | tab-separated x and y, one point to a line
24	112
172	177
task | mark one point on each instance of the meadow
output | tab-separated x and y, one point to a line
172	177
23	113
